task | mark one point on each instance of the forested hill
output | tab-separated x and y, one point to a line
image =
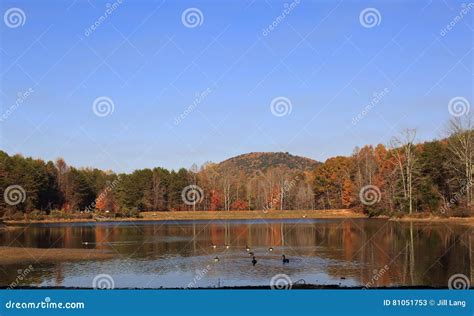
405	177
252	163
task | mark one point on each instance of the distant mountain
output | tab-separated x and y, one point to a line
262	161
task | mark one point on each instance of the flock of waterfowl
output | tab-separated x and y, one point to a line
284	259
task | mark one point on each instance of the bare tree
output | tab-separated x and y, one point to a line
365	166
281	181
403	150
226	186
461	145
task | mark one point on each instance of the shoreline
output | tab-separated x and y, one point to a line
469	221
201	215
237	215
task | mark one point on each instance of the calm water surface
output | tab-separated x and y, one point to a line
177	254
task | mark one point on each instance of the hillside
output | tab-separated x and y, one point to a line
261	161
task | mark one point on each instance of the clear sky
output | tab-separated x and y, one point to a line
152	62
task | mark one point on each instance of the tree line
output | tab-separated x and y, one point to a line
403	177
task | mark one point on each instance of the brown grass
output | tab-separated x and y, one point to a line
223	215
207	215
435	219
10	255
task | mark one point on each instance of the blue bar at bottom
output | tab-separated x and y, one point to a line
237	302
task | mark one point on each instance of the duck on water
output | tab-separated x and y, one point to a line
254	261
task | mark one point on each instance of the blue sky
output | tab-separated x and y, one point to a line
319	56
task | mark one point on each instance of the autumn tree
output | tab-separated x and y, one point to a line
329	181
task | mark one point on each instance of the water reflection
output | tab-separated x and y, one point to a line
359	252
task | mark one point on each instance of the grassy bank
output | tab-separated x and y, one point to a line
203	215
224	215
11	255
235	215
435	219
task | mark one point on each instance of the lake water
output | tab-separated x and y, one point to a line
346	252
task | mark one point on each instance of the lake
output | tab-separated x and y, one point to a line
345	252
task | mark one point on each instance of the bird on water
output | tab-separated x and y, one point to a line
284	259
254	261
